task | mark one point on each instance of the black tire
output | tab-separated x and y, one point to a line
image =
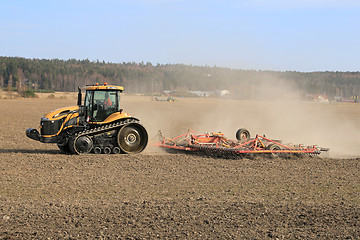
272	147
132	138
242	135
81	145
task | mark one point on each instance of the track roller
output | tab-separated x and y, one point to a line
97	150
116	150
107	150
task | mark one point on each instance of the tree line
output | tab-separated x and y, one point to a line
66	75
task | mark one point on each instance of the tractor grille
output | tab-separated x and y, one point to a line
50	127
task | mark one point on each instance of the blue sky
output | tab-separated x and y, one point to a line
316	35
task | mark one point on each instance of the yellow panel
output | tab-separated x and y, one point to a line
106	87
113	117
55	115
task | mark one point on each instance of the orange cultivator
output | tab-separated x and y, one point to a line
217	144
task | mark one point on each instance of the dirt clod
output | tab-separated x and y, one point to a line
48	195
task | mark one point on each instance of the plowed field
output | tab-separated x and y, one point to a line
48	195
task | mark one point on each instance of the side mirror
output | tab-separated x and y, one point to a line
121	110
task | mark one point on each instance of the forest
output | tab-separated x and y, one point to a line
21	74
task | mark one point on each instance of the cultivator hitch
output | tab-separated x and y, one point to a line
217	144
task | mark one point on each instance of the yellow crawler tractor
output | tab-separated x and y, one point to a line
97	126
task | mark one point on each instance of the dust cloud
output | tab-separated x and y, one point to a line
274	108
277	110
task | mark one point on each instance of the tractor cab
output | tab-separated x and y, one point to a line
101	102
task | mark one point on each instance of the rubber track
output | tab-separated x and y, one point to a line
105	128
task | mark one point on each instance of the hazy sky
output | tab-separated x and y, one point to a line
298	35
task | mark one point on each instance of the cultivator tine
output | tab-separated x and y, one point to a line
161	138
216	144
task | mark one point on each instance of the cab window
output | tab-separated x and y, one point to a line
102	104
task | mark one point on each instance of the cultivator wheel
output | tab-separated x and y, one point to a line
274	148
242	135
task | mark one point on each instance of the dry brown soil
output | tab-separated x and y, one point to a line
48	195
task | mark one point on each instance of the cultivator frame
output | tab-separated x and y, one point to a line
216	143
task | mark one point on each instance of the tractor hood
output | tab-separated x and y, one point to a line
53	123
60	113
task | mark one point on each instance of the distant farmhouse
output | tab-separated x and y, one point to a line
221	93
